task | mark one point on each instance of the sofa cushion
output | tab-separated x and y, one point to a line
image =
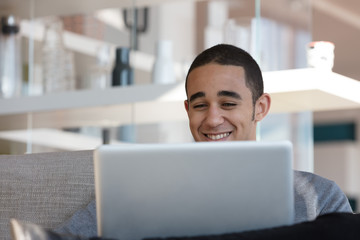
44	188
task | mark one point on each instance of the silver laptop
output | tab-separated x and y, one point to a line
192	189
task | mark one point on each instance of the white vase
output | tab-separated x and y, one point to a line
320	55
163	68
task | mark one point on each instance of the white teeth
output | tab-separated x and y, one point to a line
217	136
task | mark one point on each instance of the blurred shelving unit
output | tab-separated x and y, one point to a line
291	91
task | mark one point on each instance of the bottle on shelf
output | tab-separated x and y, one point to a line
163	69
57	61
122	74
101	73
10	58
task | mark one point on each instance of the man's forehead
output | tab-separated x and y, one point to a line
216	72
216	76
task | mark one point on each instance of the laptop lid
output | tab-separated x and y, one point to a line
189	189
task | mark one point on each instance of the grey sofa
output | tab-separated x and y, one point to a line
44	188
48	188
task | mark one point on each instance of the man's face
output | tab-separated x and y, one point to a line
219	104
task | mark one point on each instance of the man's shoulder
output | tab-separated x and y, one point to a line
318	195
304	181
302	178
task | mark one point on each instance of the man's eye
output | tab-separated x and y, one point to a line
229	104
197	106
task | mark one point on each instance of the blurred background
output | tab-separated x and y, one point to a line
77	74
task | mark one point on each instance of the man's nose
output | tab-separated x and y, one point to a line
214	117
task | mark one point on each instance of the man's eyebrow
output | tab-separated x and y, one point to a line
197	95
229	94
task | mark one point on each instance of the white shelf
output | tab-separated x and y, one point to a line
90	98
107	107
311	89
291	91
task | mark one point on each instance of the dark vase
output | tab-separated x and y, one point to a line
122	74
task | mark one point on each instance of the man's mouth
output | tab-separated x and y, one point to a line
217	136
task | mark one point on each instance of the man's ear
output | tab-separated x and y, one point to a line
186	104
262	107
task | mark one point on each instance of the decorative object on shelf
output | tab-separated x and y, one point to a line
136	21
126	133
163	69
105	135
122	74
101	73
217	15
10	58
320	54
57	61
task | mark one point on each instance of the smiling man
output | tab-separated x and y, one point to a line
226	100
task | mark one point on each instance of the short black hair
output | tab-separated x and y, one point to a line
225	54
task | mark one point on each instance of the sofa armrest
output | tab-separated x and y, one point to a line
44	188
